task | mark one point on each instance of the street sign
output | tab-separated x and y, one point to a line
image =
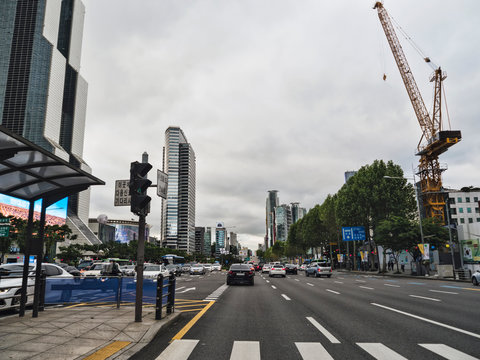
4	227
122	193
162	181
353	233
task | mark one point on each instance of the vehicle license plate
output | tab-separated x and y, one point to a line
240	274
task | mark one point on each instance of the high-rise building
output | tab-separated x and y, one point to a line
42	95
220	238
271	204
199	239
283	220
207	242
178	210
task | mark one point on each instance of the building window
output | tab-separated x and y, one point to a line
462	221
453	211
460	210
470	220
467	199
477	210
469	210
459	200
452	201
475	199
478	219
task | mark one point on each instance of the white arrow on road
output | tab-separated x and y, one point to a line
184	291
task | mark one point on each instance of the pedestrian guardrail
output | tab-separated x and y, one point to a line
462	274
165	298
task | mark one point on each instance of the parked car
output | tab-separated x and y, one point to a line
216	267
291	269
175	269
151	271
11	282
476	278
95	269
266	268
197	269
240	273
319	269
277	269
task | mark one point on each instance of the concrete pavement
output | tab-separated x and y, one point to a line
79	332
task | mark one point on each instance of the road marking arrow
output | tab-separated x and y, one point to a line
184	291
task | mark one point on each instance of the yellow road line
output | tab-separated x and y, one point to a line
182	300
191	310
186	305
192	322
108	350
471	289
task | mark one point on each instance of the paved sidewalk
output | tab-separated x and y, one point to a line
86	332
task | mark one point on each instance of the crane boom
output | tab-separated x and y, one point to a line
437	141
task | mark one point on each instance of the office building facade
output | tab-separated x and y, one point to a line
178	209
271	204
43	97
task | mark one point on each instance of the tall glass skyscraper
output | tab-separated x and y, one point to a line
178	210
42	95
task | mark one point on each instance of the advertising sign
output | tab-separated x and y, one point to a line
122	193
471	250
353	233
340	258
56	214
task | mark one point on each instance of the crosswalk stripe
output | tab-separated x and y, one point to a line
245	350
324	331
178	350
312	351
447	352
380	351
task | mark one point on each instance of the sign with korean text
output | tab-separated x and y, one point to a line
122	193
353	233
4	227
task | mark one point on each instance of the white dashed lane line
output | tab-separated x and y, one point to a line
310	284
444	292
274	287
366	287
425	298
286	297
391	285
333	292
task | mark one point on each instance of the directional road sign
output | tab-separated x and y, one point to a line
353	233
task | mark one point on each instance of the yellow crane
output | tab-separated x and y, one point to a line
434	140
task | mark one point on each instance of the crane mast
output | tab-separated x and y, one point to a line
434	140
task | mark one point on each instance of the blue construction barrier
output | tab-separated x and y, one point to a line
93	290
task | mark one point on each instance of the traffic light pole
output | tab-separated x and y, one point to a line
140	262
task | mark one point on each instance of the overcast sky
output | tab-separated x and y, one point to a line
284	95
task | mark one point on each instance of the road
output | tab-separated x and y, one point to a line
347	316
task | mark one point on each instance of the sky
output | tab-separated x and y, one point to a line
272	95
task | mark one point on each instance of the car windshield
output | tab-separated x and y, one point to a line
152	268
240	267
97	267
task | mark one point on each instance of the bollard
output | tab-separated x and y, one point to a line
119	291
43	281
158	303
171	294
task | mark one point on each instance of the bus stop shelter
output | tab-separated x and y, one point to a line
31	173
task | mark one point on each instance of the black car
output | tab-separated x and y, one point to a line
240	273
291	269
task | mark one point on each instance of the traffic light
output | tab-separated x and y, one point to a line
139	199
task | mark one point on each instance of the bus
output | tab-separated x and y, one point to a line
173	259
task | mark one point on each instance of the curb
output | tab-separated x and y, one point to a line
403	276
146	339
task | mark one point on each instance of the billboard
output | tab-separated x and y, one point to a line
126	233
56	214
471	251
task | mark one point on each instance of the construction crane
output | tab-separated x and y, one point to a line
434	140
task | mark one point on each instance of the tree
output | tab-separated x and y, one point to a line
70	254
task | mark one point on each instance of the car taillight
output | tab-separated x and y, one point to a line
283	269
330	270
250	272
319	270
230	272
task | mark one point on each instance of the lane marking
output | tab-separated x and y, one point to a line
190	310
416	283
324	331
312	351
362	281
216	294
286	297
444	292
178	350
245	350
297	280
192	322
268	281
391	285
451	287
429	321
338	282
310	284
423	297
366	287
108	350
447	352
380	351
274	287
179	288
335	292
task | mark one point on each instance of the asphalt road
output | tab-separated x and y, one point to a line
346	316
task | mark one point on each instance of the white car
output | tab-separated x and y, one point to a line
95	270
216	267
11	282
476	278
207	267
151	271
266	268
277	269
197	269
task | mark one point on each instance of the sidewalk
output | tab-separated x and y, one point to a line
87	332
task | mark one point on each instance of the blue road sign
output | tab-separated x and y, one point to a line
353	233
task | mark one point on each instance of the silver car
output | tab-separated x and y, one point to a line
476	278
197	269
